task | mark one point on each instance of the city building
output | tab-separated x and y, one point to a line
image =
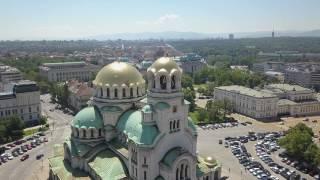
295	100
191	63
64	71
268	66
79	94
272	101
131	133
303	75
8	75
251	102
231	36
23	101
274	74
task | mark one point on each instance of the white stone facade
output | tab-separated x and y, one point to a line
59	72
23	101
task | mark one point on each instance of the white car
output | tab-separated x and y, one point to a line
10	157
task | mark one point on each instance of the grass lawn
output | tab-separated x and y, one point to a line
195	116
196	86
30	132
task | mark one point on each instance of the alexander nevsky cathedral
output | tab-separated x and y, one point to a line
130	131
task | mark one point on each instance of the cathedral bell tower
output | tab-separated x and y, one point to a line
165	95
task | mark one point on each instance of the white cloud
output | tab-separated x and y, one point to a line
165	19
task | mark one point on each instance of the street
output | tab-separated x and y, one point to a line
32	168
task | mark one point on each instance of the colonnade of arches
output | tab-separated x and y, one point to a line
87	133
122	92
164	81
182	172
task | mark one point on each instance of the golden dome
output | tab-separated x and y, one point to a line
118	73
167	63
209	161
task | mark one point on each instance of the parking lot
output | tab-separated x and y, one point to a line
209	145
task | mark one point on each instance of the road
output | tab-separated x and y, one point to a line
28	169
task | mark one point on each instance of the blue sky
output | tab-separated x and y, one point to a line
58	19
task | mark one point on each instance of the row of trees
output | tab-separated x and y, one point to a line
214	112
299	144
60	94
226	76
11	128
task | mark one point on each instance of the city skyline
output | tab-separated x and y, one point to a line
80	19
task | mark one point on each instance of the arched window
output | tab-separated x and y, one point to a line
131	92
174	125
101	92
186	172
123	92
163	82
181	172
108	92
173	82
177	174
137	91
100	132
77	132
178	124
84	133
170	125
115	93
92	133
154	84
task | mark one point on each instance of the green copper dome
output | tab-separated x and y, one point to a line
118	73
88	117
167	63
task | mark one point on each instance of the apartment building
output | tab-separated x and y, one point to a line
253	103
59	72
23	101
80	94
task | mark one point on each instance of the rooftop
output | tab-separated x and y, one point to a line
64	64
288	87
246	91
285	102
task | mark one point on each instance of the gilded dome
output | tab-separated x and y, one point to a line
167	63
118	73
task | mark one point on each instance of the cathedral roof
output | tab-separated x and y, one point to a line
107	165
167	63
118	73
131	124
88	117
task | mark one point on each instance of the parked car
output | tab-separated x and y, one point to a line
24	157
39	156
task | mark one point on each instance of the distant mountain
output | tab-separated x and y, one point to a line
197	35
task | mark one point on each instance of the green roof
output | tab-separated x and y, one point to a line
131	124
78	149
108	166
162	105
171	156
159	178
147	108
192	126
88	117
64	171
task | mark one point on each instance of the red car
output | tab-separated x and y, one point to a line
24	157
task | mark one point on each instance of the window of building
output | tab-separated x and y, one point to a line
123	92
101	92
137	91
30	117
163	82
37	108
92	133
144	160
174	109
131	92
108	92
29	109
145	175
173	82
84	133
115	93
100	132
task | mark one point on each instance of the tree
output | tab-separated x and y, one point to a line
297	141
202	115
43	120
190	95
186	81
226	107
